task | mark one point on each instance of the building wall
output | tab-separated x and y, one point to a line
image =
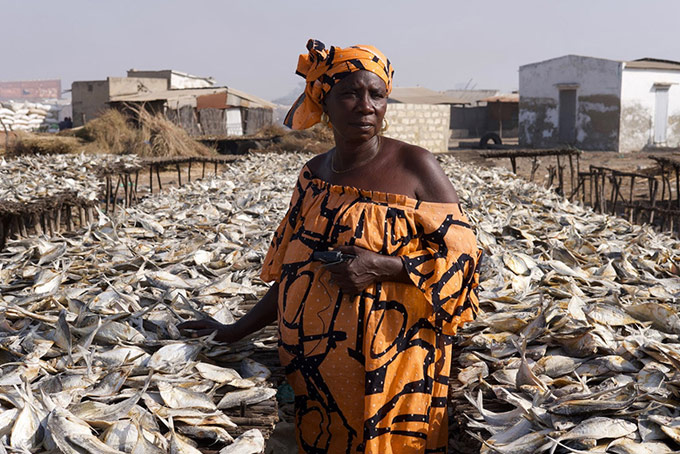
597	105
468	121
180	81
88	99
132	85
30	90
638	104
425	125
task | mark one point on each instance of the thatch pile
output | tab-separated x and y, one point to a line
23	143
112	133
317	139
164	138
146	135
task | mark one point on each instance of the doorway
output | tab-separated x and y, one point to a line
661	115
567	119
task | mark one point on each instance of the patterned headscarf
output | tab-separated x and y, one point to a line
322	69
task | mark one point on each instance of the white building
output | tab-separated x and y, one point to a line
600	104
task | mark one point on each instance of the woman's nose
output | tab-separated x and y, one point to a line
366	103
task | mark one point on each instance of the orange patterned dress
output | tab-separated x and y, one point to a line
370	372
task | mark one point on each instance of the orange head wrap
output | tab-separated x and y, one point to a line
322	69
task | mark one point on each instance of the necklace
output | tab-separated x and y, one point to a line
356	166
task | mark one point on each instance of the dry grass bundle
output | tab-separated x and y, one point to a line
23	143
114	133
164	138
317	139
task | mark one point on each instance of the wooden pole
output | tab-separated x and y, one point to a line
16	227
179	176
572	177
189	172
124	179
69	218
58	220
115	196
677	185
203	172
36	224
151	178
560	180
108	193
158	177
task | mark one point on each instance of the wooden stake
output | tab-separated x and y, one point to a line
108	193
23	224
36	224
15	228
124	178
58	220
69	218
179	176
158	176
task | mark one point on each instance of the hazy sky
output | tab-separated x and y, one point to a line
253	45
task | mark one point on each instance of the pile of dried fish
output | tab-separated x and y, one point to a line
31	178
91	358
579	341
579	346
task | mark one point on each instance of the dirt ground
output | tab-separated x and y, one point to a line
630	162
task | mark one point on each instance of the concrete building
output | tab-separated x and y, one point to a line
89	98
421	117
201	110
599	104
214	111
30	90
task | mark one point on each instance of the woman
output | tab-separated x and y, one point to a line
366	342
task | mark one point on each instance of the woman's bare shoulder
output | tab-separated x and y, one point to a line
318	163
433	184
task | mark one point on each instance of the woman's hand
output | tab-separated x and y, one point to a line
205	327
366	268
262	314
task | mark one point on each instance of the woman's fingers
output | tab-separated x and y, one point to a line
193	324
203	332
198	325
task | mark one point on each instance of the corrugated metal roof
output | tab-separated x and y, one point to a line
167	94
653	63
252	98
187	96
507	97
471	96
422	95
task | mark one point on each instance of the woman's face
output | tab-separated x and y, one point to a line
356	106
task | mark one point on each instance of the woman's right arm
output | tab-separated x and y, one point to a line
261	315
